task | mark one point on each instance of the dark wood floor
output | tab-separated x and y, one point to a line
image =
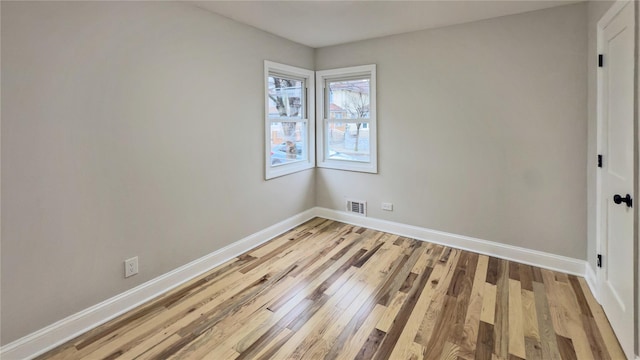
328	290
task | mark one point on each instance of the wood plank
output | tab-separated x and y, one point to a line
336	260
399	339
230	331
290	306
580	298
210	318
403	272
472	320
415	351
389	284
391	312
434	343
533	349
371	345
399	342
488	312
526	277
271	348
537	274
450	351
439	299
485	342
333	308
60	353
530	315
565	346
216	329
265	343
516	320
514	271
561	277
408	282
260	338
429	259
575	326
277	251
283	238
596	342
501	325
351	347
463	298
554	296
548	339
492	270
383	275
315	256
364	258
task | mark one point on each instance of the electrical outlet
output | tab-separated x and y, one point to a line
387	206
131	267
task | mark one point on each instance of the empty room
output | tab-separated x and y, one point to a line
319	180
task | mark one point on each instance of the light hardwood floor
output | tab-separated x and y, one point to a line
328	290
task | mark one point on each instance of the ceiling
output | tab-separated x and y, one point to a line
324	23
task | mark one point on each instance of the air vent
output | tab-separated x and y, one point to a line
356	206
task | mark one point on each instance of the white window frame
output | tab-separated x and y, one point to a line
272	171
323	125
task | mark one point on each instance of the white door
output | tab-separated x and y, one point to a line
616	178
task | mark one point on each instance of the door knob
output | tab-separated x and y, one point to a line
619	200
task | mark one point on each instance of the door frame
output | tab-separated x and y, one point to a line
636	174
604	20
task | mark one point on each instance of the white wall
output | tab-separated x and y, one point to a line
128	129
482	129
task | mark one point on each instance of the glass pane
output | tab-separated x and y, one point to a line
287	142
348	99
348	141
285	97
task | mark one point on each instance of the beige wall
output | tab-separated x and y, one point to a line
128	129
482	129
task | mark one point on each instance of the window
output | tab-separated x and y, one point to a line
289	119
347	109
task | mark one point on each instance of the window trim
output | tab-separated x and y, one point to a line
322	125
273	68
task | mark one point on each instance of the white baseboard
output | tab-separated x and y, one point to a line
503	251
68	328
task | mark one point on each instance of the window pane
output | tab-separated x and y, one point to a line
348	99
285	97
348	141
287	142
